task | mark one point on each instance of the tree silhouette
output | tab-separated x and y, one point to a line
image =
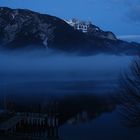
129	96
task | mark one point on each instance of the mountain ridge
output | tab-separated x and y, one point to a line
23	27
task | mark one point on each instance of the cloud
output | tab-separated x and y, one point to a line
130	7
134	13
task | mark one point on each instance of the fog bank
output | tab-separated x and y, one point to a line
31	66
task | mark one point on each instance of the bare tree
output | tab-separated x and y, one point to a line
129	95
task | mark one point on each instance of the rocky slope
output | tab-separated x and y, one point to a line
21	27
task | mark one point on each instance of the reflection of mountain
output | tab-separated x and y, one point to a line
25	28
57	112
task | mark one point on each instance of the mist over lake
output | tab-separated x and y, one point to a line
55	72
69	70
63	66
74	81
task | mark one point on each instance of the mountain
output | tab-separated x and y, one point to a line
20	28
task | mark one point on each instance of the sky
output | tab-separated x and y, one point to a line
119	16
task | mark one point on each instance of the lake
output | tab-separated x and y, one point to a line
81	87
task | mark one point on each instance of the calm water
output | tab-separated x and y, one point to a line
82	86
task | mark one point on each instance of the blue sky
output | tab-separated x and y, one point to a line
120	16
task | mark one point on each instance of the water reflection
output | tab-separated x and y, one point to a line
43	119
56	97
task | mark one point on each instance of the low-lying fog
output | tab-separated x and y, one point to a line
39	72
52	67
